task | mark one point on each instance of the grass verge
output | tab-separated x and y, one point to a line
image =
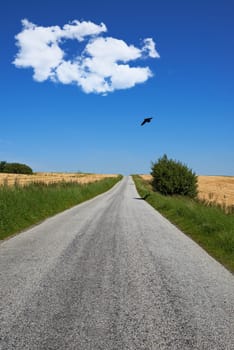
22	207
209	226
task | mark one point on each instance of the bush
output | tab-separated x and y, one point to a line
15	168
172	177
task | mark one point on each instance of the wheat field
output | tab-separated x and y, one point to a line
218	189
213	189
49	178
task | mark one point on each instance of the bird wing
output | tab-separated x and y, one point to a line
144	121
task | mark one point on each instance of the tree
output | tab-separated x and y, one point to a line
15	168
2	165
172	177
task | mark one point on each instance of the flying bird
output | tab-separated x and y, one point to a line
146	120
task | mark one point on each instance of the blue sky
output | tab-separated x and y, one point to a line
58	121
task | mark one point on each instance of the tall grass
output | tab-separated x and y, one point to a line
209	226
21	207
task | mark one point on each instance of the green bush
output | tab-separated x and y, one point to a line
15	168
172	177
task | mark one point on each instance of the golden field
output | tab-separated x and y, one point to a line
48	178
217	189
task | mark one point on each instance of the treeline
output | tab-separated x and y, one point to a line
15	168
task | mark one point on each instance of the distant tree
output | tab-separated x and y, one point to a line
172	177
2	165
15	168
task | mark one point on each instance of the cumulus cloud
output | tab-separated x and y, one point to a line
103	65
150	48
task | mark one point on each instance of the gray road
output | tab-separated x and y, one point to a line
112	274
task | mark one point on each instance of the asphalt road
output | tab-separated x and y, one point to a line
112	274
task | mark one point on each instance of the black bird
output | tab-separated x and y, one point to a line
146	120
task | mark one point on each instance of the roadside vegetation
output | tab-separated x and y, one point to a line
209	226
22	207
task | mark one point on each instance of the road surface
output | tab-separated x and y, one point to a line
112	274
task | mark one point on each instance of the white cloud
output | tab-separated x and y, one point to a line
126	77
102	66
111	49
38	48
150	48
68	72
79	30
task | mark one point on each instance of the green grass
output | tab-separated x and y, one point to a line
22	207
209	226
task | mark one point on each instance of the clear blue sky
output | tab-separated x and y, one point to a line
58	122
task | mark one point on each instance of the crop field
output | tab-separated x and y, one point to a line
49	178
213	189
218	189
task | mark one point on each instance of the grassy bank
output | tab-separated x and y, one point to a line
210	227
21	207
